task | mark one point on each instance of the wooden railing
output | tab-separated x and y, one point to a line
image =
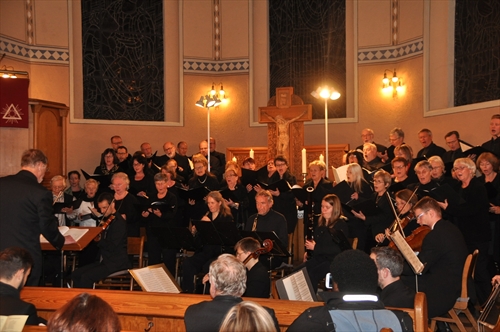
166	311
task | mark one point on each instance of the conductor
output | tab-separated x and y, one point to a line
27	212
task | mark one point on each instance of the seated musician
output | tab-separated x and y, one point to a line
227	285
113	246
341	313
389	267
15	267
199	262
443	253
267	220
258	282
327	242
405	200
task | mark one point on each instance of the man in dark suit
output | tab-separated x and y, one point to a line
452	139
27	212
227	285
443	253
183	167
429	148
389	267
221	156
493	144
15	267
113	245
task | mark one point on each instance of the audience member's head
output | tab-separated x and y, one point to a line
15	266
227	276
389	264
84	313
247	316
347	276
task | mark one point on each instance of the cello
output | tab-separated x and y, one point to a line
267	247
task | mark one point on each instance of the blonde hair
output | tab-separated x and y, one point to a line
91	181
319	163
123	176
248	316
58	178
357	172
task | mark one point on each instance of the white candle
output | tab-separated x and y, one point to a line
234	159
304	161
251	153
321	158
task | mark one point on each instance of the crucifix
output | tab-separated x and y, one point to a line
285	115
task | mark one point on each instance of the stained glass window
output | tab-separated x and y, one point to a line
477	51
307	50
122	44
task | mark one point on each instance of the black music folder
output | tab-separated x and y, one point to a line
249	176
368	207
343	191
229	194
217	233
444	191
282	185
279	249
300	193
198	194
157	205
104	180
57	207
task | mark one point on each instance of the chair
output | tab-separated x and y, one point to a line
354	242
122	279
418	313
462	301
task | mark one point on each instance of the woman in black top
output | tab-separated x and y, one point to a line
160	214
142	184
327	242
201	178
383	218
284	202
218	211
235	196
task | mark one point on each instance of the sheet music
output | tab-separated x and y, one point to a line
407	252
155	279
296	287
13	323
340	173
76	233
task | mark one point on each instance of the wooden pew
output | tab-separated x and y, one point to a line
166	311
137	309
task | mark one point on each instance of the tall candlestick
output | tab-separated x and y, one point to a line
304	161
321	158
251	153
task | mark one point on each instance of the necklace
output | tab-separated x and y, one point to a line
202	182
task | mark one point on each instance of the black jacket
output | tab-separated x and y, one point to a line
319	318
208	315
11	304
26	212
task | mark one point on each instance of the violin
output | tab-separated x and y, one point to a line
268	246
104	225
415	239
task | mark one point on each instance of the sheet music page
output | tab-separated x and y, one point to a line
296	287
75	233
340	173
13	323
155	280
407	252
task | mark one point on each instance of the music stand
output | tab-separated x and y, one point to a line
223	233
174	237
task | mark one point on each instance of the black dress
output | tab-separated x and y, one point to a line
199	209
129	206
285	202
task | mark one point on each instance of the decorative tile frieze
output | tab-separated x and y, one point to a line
216	67
33	53
391	53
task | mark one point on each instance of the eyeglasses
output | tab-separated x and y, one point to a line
279	165
459	168
198	168
398	167
420	215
